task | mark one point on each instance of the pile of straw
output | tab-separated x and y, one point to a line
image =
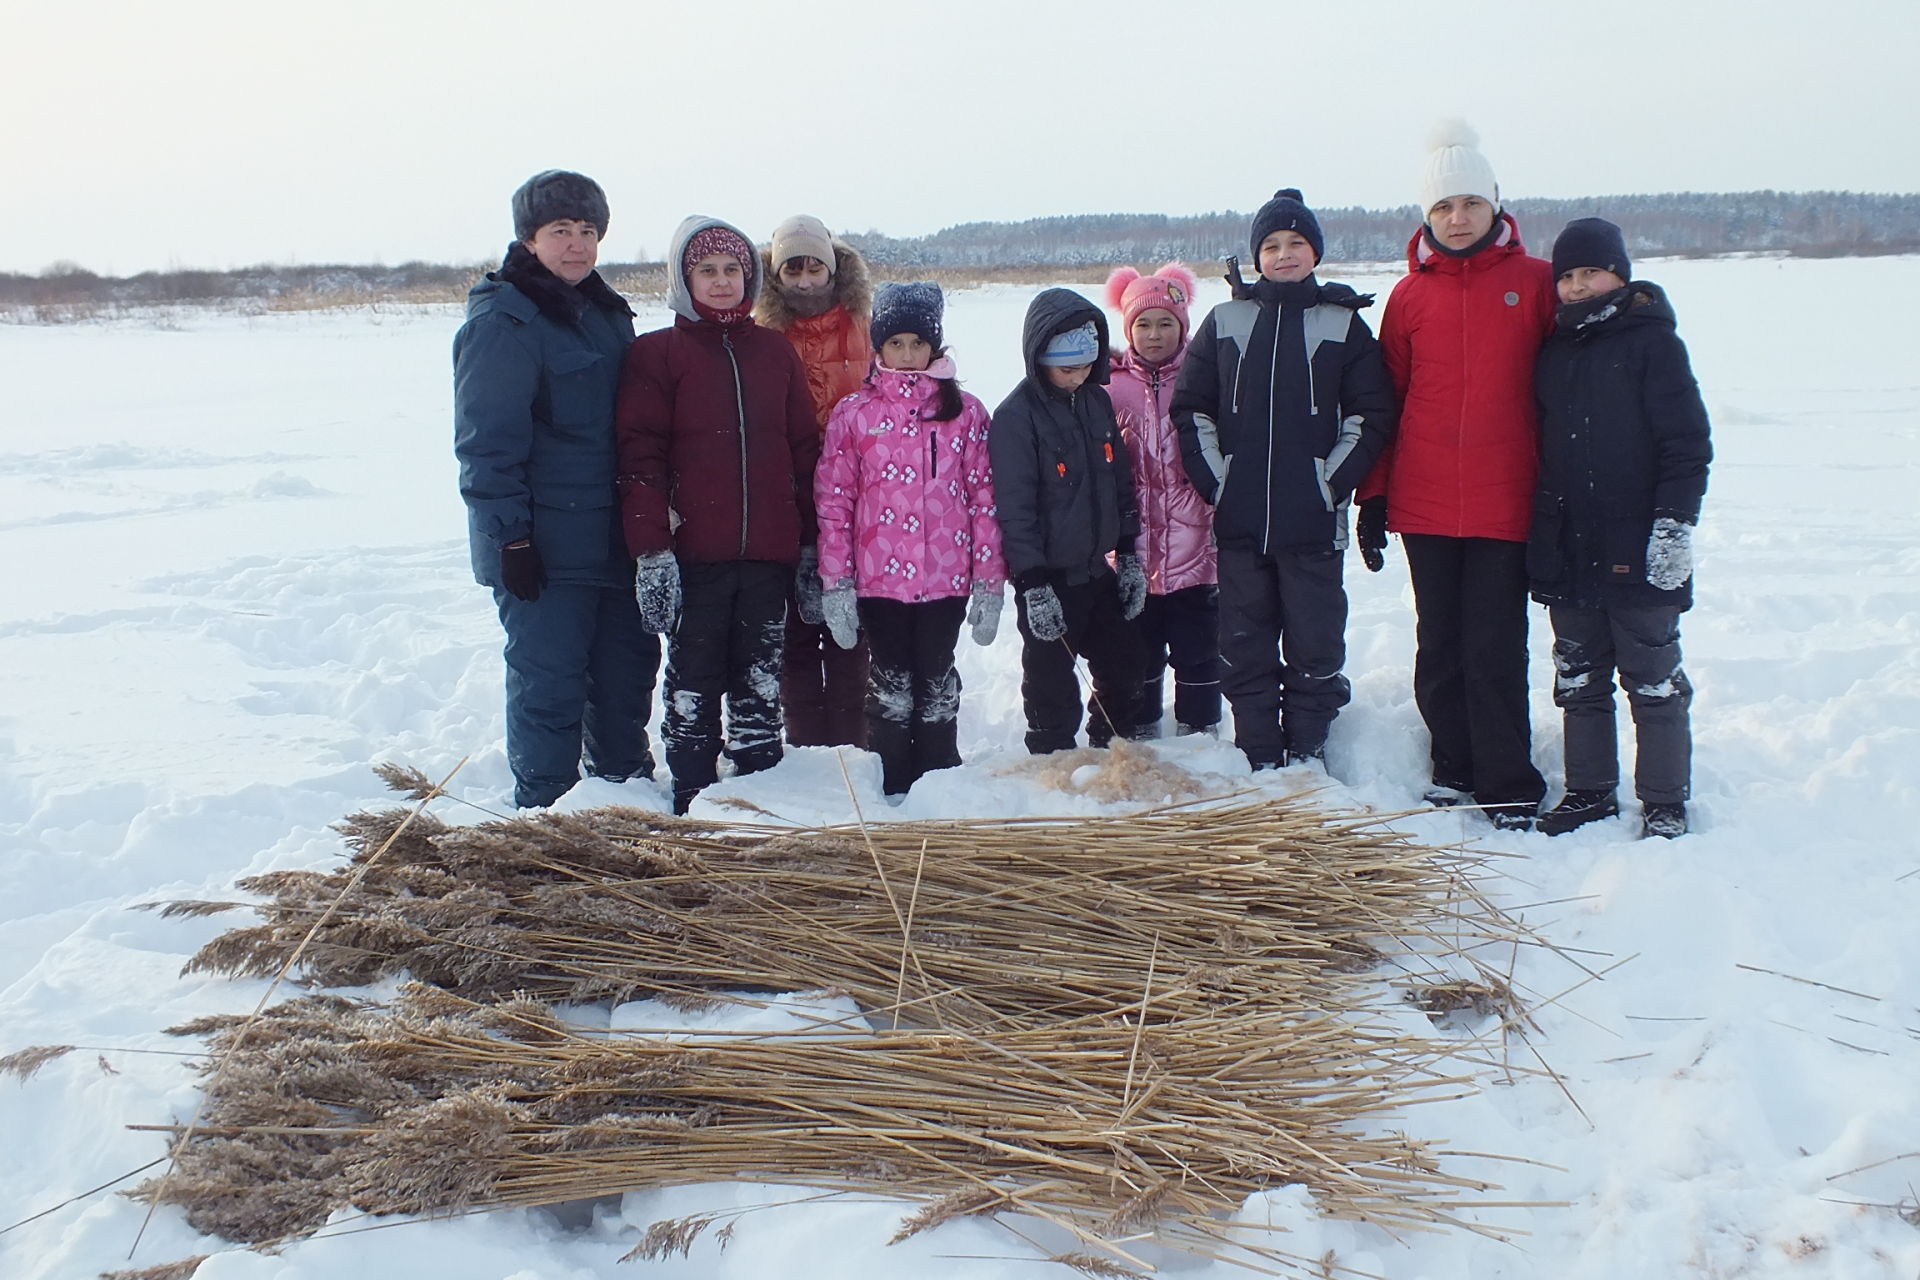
989	923
1123	1026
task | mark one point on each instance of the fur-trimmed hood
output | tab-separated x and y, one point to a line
852	287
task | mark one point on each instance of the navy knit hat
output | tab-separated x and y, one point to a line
1591	242
1287	211
554	194
907	308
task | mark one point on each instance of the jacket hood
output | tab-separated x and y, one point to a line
1053	311
1422	256
1639	302
679	298
852	287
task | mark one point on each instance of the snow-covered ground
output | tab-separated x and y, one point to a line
234	576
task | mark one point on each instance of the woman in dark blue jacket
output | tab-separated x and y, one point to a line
535	368
1624	450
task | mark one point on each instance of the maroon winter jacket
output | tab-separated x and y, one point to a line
717	444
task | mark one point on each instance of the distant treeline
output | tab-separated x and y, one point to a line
1806	223
1803	223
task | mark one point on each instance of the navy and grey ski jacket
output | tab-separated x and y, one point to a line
1283	404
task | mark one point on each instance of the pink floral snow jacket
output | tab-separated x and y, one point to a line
1176	524
905	503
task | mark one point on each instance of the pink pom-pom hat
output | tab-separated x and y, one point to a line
1170	288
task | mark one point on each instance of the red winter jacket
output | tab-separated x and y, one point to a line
1460	337
717	444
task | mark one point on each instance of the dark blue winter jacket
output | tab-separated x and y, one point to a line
1623	440
1062	481
1283	404
535	368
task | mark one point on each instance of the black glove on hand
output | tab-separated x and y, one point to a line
521	571
807	588
1371	532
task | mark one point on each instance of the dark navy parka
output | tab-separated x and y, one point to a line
1623	440
1062	480
535	368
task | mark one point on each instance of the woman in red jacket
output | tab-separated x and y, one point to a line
1461	333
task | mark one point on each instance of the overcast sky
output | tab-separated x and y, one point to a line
217	133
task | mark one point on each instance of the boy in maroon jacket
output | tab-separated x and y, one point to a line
717	448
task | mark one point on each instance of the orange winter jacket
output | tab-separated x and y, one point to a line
836	351
1460	338
833	345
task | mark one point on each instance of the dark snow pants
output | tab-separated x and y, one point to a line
1470	664
1643	645
913	692
732	619
1283	641
580	668
1049	689
823	688
1181	629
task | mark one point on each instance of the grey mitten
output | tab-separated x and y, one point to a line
807	587
983	614
840	610
1669	554
1133	585
656	587
1045	617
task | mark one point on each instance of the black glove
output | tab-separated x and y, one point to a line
521	571
1371	532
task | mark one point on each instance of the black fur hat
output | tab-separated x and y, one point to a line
1287	211
554	194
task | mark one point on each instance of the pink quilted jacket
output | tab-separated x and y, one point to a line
905	503
1176	524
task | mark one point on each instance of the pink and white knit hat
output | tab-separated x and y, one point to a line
1170	288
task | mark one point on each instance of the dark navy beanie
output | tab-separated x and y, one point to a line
907	308
555	194
1591	242
1287	211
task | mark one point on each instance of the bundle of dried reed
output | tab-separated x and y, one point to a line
1004	922
1121	1025
1113	1132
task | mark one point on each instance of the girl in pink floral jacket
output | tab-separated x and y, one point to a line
904	492
1181	620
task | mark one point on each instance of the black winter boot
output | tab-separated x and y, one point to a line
1668	821
1577	808
1513	817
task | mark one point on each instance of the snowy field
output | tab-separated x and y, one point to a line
235	577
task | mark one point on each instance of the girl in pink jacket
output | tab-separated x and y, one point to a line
904	492
1181	621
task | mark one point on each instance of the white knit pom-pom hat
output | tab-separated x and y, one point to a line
1455	167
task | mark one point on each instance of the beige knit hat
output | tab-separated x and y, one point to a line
802	236
1455	167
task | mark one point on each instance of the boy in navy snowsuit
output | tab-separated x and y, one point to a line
1283	404
1063	493
1624	449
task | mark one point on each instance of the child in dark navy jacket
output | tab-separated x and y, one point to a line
1283	404
1063	490
1624	449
